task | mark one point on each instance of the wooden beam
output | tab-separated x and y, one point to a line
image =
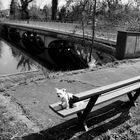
107	88
137	94
87	110
131	98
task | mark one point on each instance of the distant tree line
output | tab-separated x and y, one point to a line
107	11
23	11
111	10
89	13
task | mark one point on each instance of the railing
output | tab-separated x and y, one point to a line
101	31
66	27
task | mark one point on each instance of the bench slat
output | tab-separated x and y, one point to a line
107	88
103	98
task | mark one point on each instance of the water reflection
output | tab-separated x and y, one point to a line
13	61
24	63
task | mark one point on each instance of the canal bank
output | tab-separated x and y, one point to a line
33	92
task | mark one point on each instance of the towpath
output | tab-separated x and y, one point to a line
34	93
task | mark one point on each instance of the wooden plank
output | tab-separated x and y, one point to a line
105	89
105	97
67	112
118	93
56	107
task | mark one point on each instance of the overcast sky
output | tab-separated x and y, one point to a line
41	3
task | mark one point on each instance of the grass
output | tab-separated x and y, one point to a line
9	127
116	124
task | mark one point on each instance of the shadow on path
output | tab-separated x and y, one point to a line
104	118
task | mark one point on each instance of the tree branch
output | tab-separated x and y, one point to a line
29	1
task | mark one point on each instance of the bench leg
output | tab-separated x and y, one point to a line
83	116
79	114
136	94
131	99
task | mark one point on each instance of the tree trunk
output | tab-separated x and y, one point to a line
24	9
54	9
93	28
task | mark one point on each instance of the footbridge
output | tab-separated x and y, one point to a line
52	33
53	40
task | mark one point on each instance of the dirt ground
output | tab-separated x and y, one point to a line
24	101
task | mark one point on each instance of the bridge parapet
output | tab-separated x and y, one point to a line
59	31
66	27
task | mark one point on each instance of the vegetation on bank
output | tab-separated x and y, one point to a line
115	13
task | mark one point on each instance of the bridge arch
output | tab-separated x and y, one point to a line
63	53
33	42
14	35
58	53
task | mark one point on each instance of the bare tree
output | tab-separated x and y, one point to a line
86	12
93	27
47	12
14	9
24	8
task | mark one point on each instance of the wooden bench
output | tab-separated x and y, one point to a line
97	96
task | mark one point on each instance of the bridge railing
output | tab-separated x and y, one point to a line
101	31
46	24
60	26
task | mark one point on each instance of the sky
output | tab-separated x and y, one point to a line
40	3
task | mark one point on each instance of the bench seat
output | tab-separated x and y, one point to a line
102	98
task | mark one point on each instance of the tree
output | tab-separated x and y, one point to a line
93	28
112	9
84	11
54	9
14	9
47	12
62	14
35	13
24	8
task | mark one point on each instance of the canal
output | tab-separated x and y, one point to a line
15	58
24	50
13	61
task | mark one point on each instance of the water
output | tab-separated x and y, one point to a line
13	61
